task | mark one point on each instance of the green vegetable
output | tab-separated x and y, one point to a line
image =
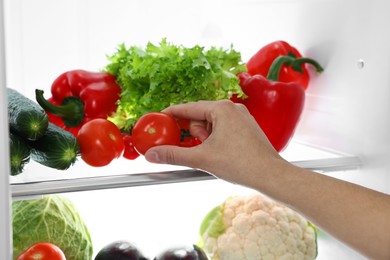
53	219
159	76
256	227
57	148
19	153
25	116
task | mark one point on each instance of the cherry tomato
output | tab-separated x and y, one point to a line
130	152
190	141
100	142
187	140
155	128
42	251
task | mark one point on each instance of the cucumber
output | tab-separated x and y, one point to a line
19	153
57	148
25	116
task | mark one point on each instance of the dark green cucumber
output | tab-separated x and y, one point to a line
57	148
25	116
19	153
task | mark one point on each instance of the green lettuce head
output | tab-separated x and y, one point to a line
53	219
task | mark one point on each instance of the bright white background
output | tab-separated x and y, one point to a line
346	109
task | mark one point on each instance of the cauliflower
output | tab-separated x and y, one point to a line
254	227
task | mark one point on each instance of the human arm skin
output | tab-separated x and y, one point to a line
235	149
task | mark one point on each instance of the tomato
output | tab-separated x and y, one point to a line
130	152
42	251
100	142
187	140
155	128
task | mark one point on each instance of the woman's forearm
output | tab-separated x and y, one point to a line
358	216
235	149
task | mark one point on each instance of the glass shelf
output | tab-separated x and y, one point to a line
39	180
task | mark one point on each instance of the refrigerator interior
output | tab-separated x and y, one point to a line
344	121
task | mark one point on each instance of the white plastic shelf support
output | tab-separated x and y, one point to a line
36	188
5	197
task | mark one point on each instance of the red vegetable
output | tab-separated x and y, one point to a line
297	72
100	142
79	96
42	251
155	128
186	140
57	120
276	106
129	152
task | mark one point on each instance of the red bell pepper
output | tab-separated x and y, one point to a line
57	120
276	106
79	96
297	72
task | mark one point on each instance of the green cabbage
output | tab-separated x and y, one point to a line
52	219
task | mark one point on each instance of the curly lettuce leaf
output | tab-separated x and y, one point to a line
161	75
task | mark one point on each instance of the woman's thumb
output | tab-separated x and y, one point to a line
168	154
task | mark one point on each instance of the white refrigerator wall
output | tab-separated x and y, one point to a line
346	108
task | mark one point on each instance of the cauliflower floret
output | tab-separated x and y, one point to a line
255	227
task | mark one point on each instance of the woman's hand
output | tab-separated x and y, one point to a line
235	149
231	142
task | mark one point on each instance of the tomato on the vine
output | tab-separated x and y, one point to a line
153	129
187	140
42	251
100	142
129	152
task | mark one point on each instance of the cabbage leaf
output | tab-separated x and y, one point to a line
53	219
